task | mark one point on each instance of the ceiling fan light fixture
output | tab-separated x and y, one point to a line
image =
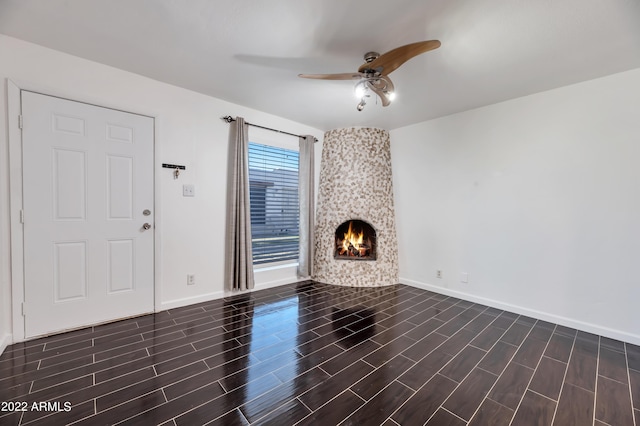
380	85
373	74
360	89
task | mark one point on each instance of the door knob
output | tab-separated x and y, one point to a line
146	226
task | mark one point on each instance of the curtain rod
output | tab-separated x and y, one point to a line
229	119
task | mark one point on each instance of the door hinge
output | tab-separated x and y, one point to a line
21	216
20	122
24	309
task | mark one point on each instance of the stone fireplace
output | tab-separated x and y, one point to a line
355	234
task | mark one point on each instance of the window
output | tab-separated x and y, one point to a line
273	191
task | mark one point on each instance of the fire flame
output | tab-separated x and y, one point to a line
354	243
351	238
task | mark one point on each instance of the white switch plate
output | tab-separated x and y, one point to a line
188	191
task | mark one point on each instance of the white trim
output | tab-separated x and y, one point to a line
545	316
178	303
4	342
264	286
15	202
78	96
15	193
278	283
274	266
157	255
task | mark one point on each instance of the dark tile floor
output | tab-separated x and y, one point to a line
311	353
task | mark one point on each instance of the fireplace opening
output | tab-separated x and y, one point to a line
355	240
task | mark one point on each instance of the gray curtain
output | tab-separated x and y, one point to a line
307	211
239	261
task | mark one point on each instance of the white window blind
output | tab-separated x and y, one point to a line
273	191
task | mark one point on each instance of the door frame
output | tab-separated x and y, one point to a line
14	109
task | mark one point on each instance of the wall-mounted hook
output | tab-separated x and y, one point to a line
176	171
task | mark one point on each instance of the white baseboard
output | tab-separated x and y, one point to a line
178	303
278	283
4	342
545	316
264	286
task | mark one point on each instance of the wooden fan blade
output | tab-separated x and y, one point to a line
343	76
390	61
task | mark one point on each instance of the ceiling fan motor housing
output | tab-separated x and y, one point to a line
371	56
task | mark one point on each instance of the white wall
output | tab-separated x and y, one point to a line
537	199
188	131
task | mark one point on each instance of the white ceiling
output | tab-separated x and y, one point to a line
250	52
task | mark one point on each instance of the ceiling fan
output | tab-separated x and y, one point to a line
373	74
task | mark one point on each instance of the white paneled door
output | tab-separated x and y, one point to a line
88	214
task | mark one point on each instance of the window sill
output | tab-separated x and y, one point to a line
275	266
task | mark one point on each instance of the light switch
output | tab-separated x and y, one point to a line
188	191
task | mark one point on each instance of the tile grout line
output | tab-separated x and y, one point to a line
374	367
564	377
241	413
90	335
453	414
211	400
33	372
389	419
515	321
626	359
341	422
595	390
566	370
121	421
335	397
498	376
120	389
166	400
435	331
469	344
542	395
267	414
438	372
95	411
304	405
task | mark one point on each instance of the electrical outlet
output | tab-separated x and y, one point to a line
191	279
438	273
188	191
464	277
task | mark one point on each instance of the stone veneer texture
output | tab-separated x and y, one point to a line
356	183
